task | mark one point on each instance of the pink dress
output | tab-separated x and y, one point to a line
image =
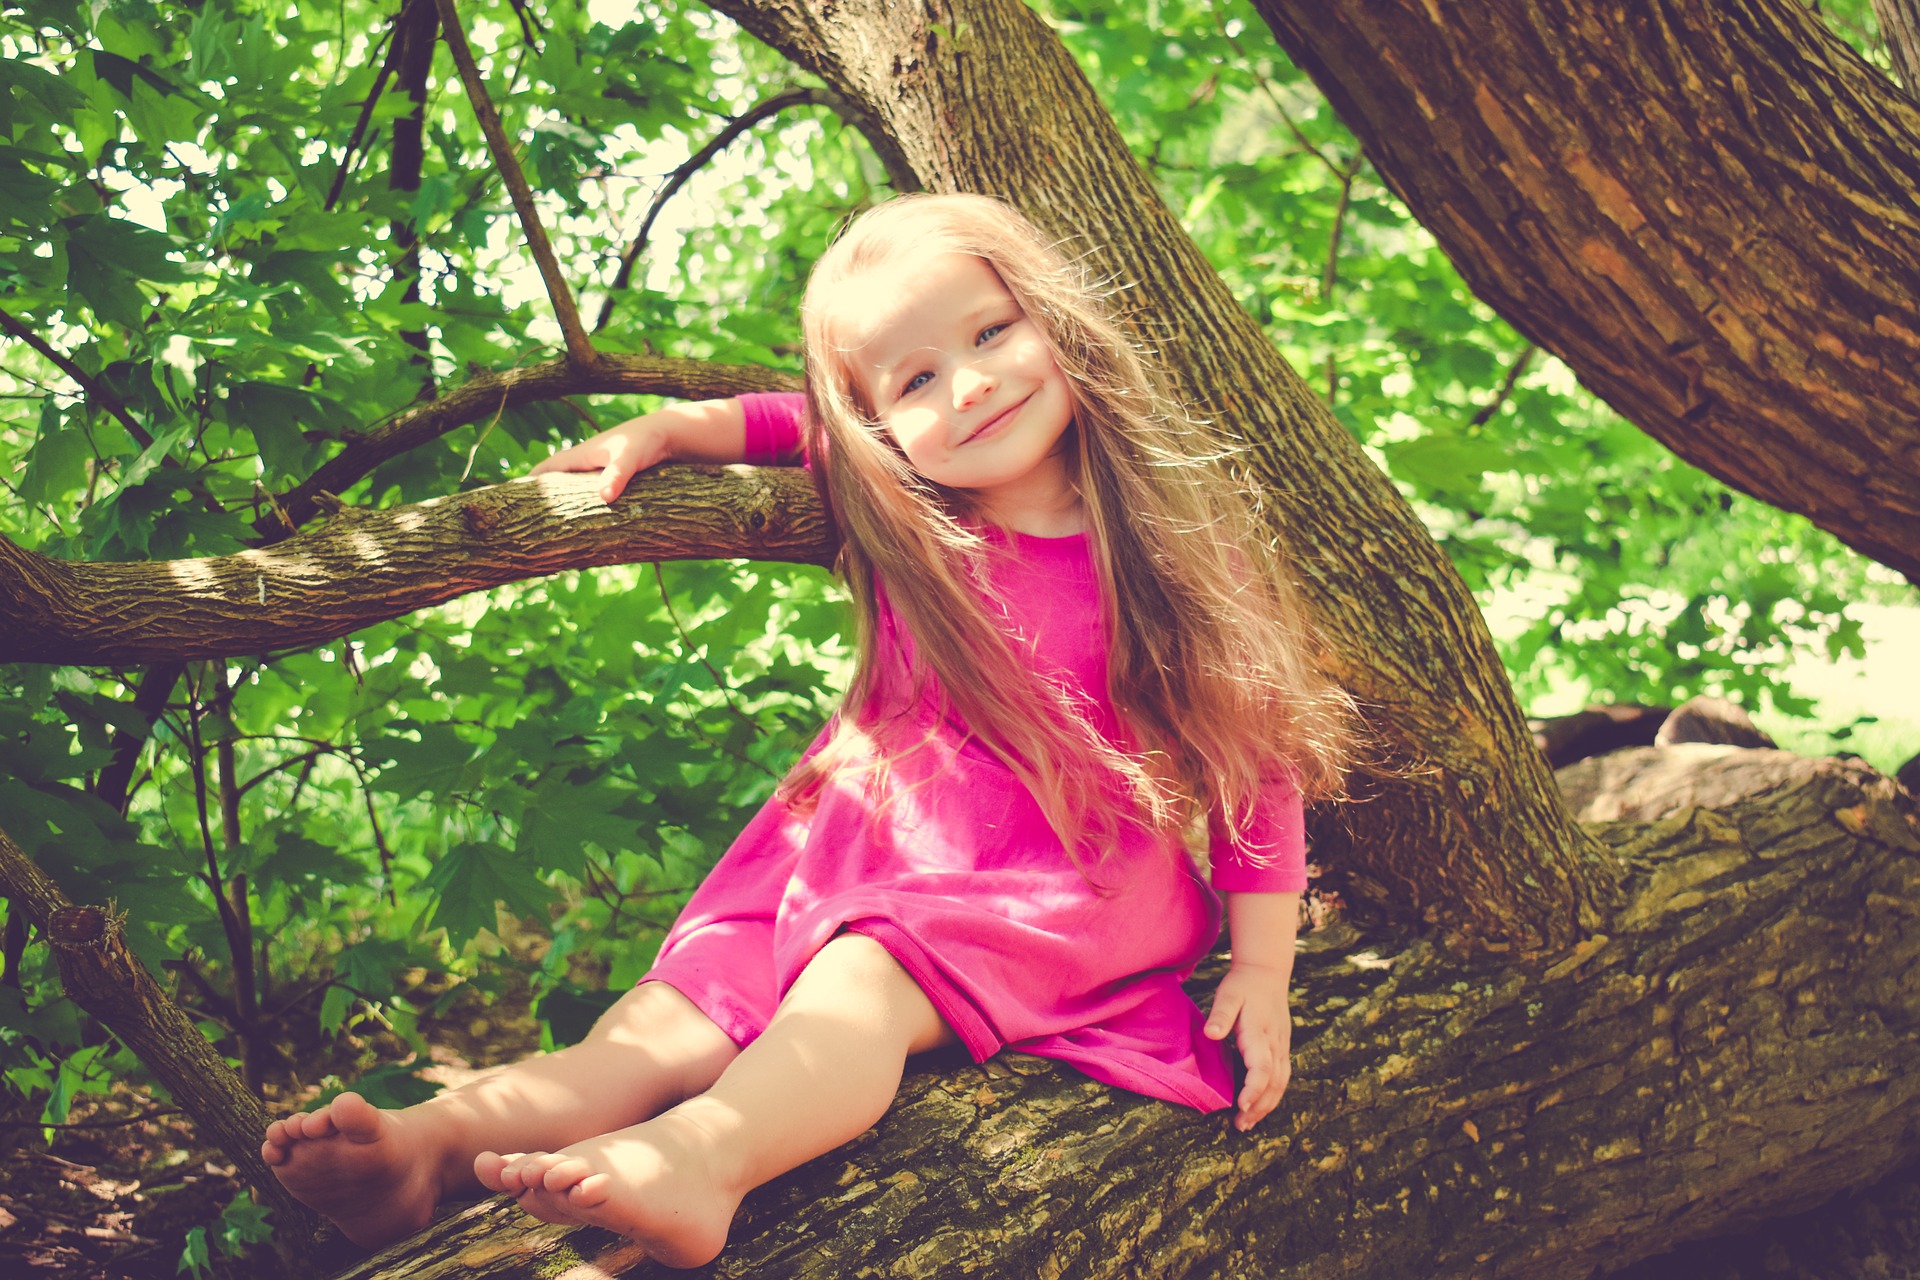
950	865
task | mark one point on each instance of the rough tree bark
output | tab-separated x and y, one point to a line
1736	1044
1710	212
362	566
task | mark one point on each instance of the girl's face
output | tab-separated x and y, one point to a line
963	380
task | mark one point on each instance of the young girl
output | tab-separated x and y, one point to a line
1072	642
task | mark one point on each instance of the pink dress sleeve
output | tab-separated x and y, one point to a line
773	427
1269	853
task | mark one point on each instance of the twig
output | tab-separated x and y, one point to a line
155	1114
95	391
1518	367
686	642
1330	275
1273	98
725	691
359	133
693	164
579	349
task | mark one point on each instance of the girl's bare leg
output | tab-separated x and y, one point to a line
823	1071
378	1174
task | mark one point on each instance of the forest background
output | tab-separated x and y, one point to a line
233	242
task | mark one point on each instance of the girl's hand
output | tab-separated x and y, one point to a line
1253	998
618	454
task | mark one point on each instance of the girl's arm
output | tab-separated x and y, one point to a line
759	428
1253	998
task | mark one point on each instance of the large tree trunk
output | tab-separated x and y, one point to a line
1711	212
1735	1047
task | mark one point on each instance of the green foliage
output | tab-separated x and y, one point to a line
243	1224
556	764
535	779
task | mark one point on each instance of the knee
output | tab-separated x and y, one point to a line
654	1015
854	972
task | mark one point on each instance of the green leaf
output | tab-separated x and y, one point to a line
194	1254
244	1222
57	463
471	879
434	763
569	1011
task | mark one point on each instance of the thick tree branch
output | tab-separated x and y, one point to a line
579	348
1710	212
362	566
1735	1039
486	394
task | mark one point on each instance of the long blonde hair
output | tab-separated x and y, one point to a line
1209	646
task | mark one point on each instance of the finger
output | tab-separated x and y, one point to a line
1270	1096
614	479
567	459
1226	1010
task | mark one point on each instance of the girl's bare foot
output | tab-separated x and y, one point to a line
368	1170
657	1183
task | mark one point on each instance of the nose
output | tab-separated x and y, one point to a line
970	383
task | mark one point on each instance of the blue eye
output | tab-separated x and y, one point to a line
916	382
991	332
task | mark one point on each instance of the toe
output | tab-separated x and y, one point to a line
310	1124
591	1191
564	1172
487	1167
355	1117
547	1208
514	1173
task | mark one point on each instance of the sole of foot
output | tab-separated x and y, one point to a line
358	1166
652	1183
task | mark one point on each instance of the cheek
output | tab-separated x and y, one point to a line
916	433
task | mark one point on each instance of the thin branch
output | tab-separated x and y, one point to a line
487	393
1273	99
530	28
1518	367
1330	275
359	134
686	643
95	391
379	836
120	1123
693	164
579	348
289	763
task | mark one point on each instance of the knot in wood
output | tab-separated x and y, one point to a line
78	926
757	520
481	521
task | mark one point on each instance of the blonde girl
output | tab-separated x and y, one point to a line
1074	645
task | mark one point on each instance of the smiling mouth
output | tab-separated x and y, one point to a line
993	423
